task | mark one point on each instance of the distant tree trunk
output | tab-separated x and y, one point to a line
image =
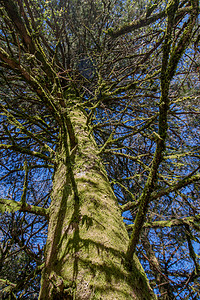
87	239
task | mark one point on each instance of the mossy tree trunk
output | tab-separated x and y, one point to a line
87	239
88	254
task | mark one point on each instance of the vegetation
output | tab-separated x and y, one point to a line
99	153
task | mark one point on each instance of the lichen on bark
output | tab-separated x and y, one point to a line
87	240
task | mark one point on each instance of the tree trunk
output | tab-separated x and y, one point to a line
87	239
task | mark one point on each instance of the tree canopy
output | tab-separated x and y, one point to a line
99	150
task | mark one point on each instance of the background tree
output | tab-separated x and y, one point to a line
99	94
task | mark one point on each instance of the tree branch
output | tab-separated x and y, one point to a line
167	72
143	22
191	221
12	205
177	186
23	150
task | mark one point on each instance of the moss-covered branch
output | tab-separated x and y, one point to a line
191	221
15	122
12	206
129	205
23	197
35	85
193	255
143	22
29	42
175	187
7	282
164	192
24	150
167	72
114	140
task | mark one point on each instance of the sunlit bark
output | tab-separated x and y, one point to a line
87	239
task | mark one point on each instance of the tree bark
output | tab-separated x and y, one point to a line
87	239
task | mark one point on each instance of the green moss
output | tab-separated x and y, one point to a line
90	237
